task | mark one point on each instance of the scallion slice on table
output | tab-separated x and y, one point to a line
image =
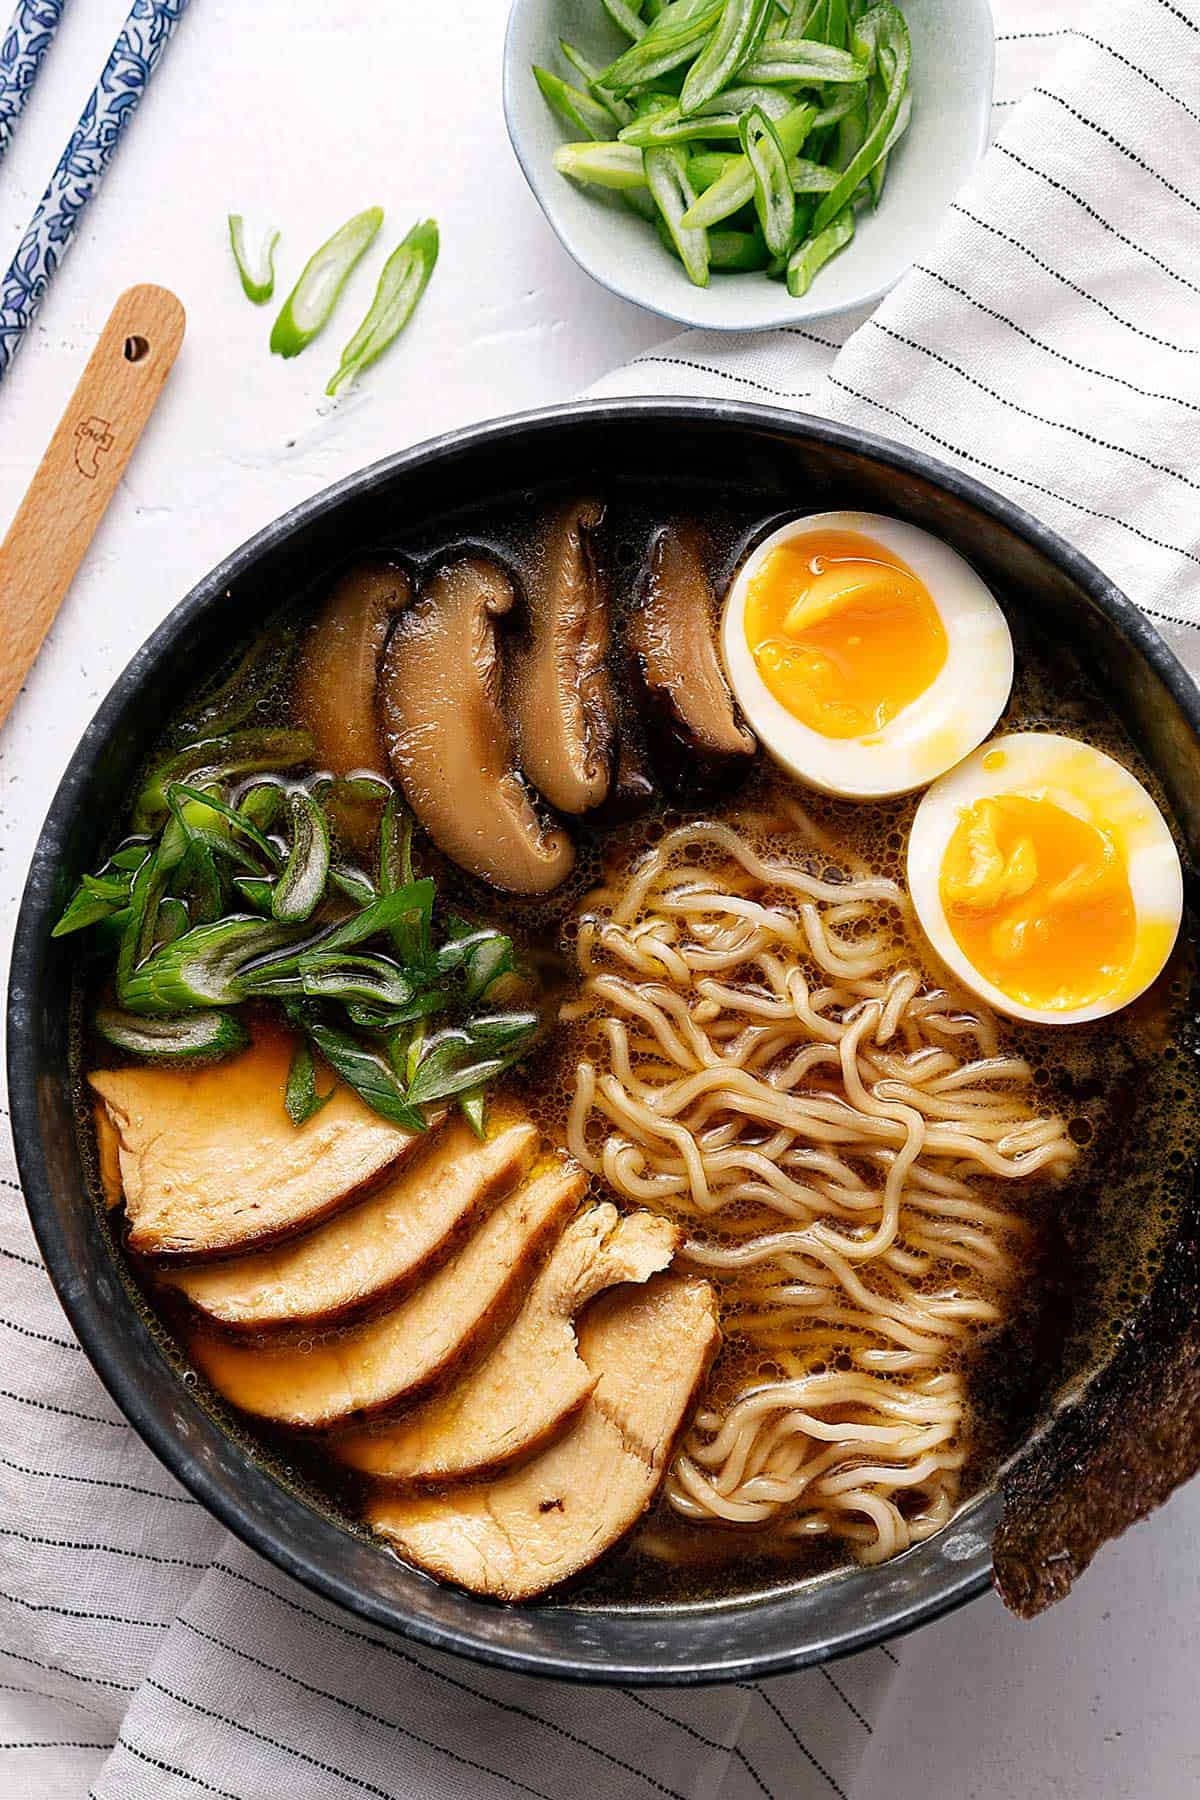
828	77
258	278
404	279
308	307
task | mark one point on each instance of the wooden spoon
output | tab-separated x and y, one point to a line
78	475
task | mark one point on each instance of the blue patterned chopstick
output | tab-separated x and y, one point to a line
81	167
30	34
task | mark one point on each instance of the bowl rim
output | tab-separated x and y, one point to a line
809	310
971	1558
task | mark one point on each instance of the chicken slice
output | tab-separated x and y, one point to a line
211	1163
534	1379
513	1537
408	1350
378	1246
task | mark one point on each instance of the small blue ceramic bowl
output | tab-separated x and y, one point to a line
952	67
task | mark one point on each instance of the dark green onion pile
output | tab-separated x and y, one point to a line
749	132
228	894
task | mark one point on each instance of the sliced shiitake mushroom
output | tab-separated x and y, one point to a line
560	697
447	737
338	672
337	680
671	636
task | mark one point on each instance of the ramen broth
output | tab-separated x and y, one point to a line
1128	1090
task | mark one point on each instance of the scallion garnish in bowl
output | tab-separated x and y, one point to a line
226	901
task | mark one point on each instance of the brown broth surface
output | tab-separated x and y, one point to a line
1130	1088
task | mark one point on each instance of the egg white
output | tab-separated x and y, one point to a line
1082	781
940	727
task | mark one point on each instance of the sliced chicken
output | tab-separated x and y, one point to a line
382	1244
108	1157
517	1535
534	1379
408	1350
559	692
211	1163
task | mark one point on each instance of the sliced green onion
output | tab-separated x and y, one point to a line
673	193
735	187
262	804
198	809
707	166
502	1031
300	1096
473	1109
884	26
452	1067
301	883
581	111
614	165
672	127
172	922
365	1072
593	75
207	966
774	196
799	62
137	938
218	759
412	903
737	32
200	1035
232	701
625	17
329	975
729	252
816	250
673	38
354	884
256	890
258	282
395	846
404	279
311	302
92	901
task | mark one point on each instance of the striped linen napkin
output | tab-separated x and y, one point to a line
1051	345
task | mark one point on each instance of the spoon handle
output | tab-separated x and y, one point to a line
78	475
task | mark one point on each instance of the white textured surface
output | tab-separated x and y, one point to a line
298	117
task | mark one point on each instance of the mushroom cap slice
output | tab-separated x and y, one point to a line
674	643
448	740
337	675
533	1380
524	1531
560	694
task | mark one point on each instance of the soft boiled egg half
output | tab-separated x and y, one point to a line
1046	878
867	655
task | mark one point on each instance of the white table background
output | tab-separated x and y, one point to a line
299	115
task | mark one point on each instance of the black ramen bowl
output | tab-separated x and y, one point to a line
773	461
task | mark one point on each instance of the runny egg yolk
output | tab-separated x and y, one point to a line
1039	901
844	635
